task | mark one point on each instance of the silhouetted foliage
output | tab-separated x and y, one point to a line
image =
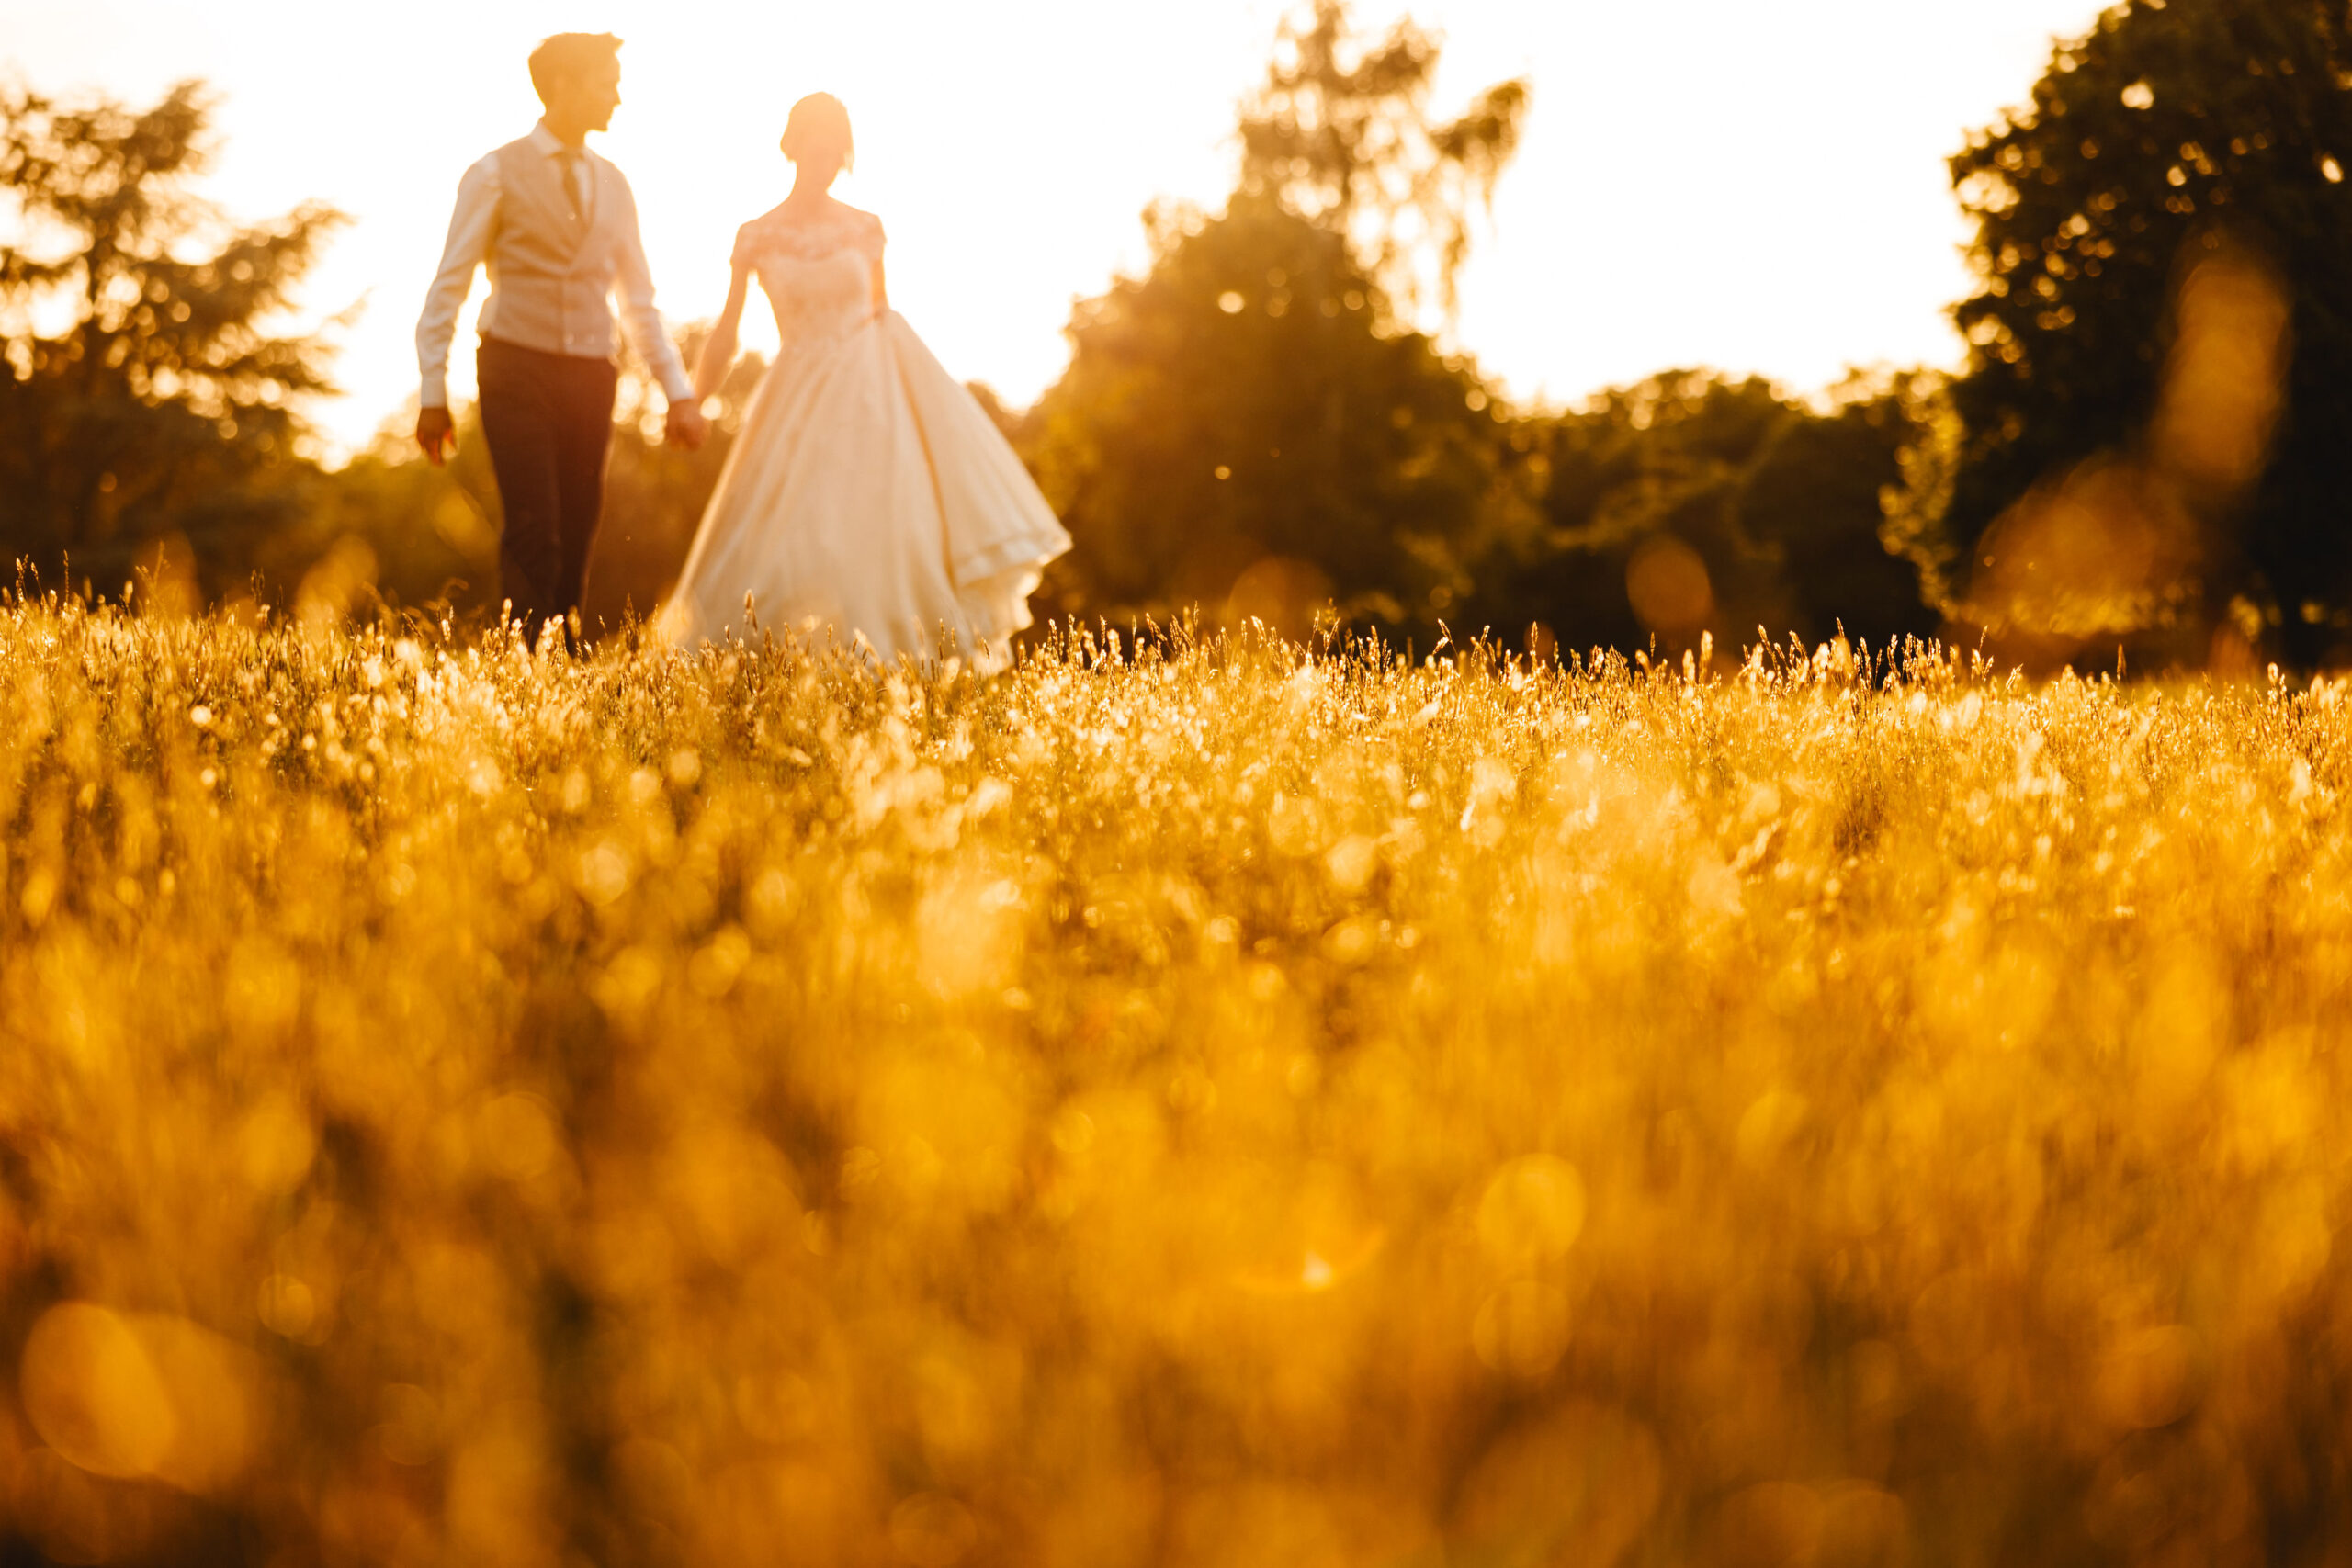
1239	405
2175	125
1253	424
160	402
430	534
1342	133
1693	505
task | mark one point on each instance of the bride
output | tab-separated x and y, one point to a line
867	491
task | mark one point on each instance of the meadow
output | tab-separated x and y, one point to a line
1209	1101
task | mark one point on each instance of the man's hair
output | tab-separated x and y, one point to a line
566	55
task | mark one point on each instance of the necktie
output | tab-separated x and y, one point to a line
571	158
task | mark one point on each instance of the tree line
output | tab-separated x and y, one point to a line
2142	455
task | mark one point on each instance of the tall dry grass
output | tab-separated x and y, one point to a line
1219	1105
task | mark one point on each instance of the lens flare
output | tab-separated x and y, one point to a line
2112	549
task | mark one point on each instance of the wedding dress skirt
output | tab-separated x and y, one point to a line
868	497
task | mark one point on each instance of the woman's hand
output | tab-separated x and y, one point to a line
687	425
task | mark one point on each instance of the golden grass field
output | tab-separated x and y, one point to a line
1220	1106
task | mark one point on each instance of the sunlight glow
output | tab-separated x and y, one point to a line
1692	179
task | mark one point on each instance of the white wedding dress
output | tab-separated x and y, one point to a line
867	492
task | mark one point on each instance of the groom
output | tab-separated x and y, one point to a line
557	226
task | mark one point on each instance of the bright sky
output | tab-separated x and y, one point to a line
1757	187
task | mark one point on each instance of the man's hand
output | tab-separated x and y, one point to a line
436	433
685	426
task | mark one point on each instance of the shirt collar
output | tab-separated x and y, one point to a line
545	142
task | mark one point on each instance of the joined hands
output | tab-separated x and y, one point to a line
685	426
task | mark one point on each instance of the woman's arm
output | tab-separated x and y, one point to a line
718	349
881	289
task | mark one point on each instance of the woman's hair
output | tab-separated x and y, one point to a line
817	119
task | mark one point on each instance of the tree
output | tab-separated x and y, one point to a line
1693	505
1254	424
164	404
2159	231
1341	134
1235	419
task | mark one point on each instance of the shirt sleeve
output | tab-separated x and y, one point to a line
468	247
643	324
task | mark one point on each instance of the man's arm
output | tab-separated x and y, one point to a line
468	245
685	424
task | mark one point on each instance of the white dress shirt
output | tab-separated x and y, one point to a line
535	304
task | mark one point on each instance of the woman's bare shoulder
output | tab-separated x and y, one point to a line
808	230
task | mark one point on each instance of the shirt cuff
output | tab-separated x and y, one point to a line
435	393
675	386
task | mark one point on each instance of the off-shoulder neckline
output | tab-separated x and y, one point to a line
841	216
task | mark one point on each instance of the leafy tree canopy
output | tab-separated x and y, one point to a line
1342	133
2180	140
1253	425
146	392
1237	405
1250	425
1694	505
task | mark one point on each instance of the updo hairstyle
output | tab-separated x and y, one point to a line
816	121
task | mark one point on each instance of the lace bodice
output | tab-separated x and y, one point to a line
818	276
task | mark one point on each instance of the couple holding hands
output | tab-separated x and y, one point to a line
867	492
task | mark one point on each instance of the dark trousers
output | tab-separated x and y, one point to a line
549	420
